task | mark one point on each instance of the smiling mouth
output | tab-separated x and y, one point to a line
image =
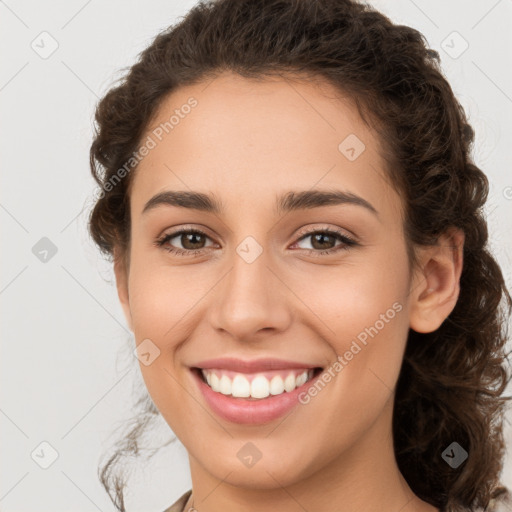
255	386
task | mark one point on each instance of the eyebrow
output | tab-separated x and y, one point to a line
291	201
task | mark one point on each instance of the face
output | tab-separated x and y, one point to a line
311	284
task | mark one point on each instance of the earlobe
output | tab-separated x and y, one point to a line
436	285
121	273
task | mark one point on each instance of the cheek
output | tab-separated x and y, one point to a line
366	309
162	296
352	298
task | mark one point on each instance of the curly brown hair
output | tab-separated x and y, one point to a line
452	380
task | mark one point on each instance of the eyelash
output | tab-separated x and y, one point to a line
347	242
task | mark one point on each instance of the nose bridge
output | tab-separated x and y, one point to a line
248	299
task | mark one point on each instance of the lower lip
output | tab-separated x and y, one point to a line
251	412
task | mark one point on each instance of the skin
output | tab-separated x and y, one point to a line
247	141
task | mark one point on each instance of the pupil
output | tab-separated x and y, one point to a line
318	238
188	242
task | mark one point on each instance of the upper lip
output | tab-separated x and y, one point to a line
252	366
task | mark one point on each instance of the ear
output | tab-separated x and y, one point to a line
436	284
121	272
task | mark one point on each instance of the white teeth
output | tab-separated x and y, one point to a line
276	385
214	382
260	387
240	387
289	383
225	385
302	378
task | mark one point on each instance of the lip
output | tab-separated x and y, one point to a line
254	365
251	412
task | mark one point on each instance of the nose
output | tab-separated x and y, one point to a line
250	300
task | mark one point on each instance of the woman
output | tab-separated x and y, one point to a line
296	230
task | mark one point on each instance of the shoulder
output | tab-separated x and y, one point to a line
502	503
179	505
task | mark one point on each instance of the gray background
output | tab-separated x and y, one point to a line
67	376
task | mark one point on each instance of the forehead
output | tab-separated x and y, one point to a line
246	139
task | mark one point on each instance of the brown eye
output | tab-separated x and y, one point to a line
324	241
190	239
